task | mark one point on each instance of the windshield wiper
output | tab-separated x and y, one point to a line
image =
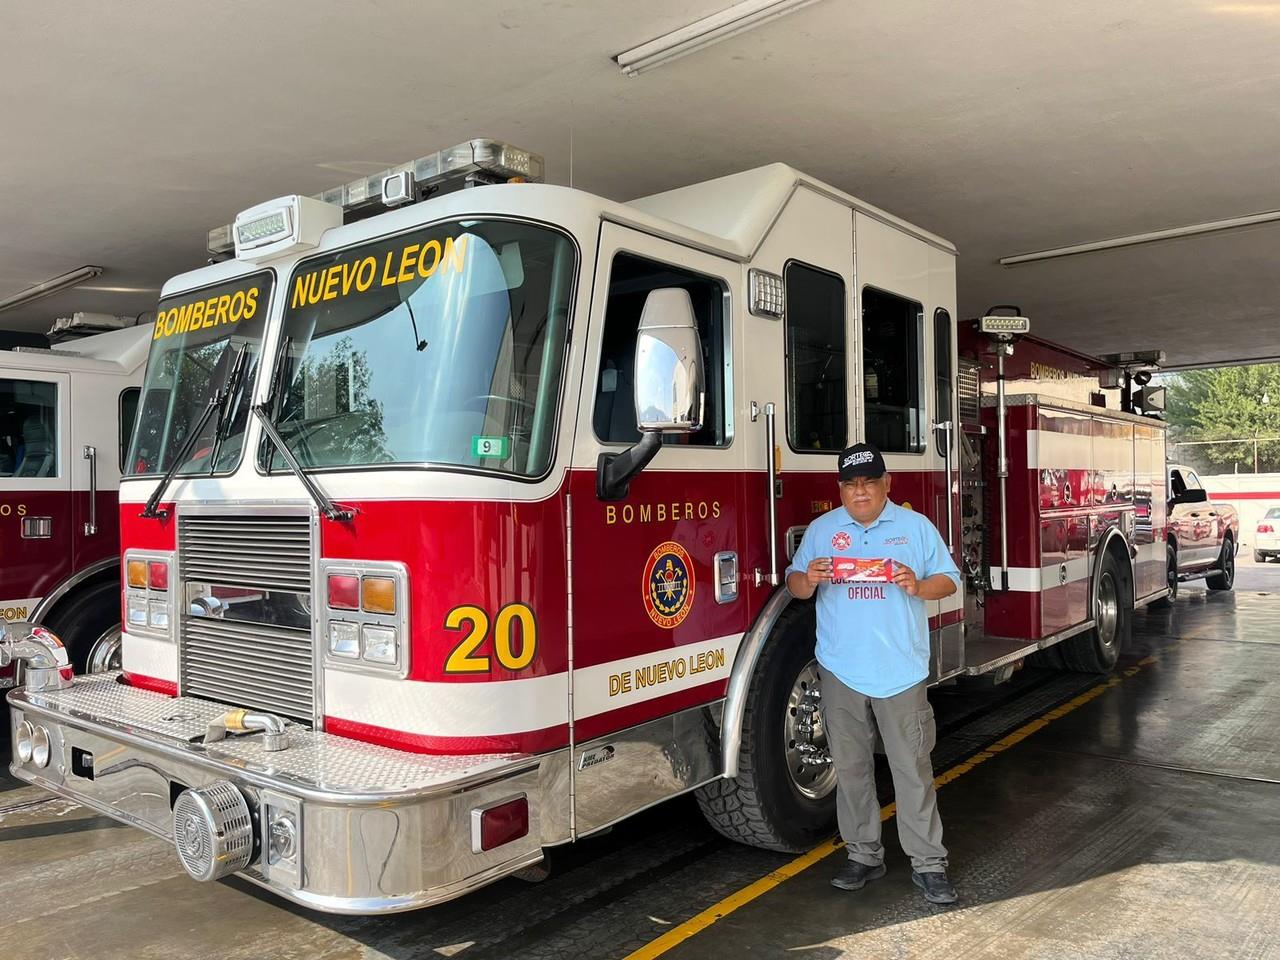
234	383
217	403
322	502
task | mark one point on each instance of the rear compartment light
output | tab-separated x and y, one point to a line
378	644
378	595
498	824
344	639
138	611
344	591
158	575
137	573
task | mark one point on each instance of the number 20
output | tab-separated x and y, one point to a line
475	621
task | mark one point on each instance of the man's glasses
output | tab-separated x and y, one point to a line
861	483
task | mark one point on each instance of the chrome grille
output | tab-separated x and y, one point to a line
237	658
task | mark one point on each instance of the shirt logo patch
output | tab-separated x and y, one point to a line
668	585
841	541
897	541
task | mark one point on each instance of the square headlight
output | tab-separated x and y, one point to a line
344	639
379	644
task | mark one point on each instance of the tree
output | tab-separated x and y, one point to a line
1226	403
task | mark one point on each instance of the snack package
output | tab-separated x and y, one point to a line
856	570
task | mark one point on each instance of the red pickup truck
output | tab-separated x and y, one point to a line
1203	535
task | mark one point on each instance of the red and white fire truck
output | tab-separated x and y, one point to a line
456	522
66	416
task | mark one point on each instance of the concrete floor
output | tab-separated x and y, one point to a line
1142	823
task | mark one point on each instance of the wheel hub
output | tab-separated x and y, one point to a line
805	737
1107	614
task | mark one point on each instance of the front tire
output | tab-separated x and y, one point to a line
776	801
1097	650
1225	578
89	626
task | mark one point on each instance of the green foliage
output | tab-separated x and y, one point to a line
1227	403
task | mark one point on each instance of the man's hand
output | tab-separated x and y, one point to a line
819	572
905	577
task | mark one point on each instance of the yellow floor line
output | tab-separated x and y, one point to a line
699	922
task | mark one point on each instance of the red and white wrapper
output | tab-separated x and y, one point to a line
861	570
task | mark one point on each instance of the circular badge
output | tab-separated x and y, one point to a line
668	585
841	541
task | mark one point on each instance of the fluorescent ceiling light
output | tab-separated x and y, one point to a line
50	287
702	33
1173	233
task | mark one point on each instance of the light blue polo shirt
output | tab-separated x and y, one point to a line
872	636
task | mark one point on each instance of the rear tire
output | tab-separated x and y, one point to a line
1259	557
1171	578
89	627
1225	578
1097	650
768	804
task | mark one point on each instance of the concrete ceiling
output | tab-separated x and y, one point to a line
130	128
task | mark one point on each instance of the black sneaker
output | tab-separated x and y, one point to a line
935	885
854	875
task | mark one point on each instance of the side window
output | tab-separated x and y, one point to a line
1177	487
817	399
1193	482
943	376
128	418
892	371
28	428
630	281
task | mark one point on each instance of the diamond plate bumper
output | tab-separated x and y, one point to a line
378	830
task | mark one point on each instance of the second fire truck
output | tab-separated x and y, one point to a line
456	532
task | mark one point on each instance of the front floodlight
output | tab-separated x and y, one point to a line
282	226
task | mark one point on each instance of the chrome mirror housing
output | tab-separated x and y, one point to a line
669	392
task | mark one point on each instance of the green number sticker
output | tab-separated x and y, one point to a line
497	448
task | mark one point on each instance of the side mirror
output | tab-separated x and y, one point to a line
669	394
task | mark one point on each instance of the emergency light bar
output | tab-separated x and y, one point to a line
476	161
282	226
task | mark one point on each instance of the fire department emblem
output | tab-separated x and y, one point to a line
841	541
668	585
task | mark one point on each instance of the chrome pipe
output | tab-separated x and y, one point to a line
40	650
275	734
1002	466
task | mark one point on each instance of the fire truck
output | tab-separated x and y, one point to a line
66	418
459	505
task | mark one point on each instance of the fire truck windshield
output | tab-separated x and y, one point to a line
444	346
198	337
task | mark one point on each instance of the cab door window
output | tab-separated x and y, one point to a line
817	399
28	428
893	371
630	280
942	373
128	417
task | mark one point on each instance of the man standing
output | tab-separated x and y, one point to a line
873	651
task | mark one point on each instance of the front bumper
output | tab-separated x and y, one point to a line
378	830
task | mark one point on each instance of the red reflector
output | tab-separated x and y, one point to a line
503	823
158	575
344	591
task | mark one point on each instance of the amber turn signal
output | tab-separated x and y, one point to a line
136	573
378	595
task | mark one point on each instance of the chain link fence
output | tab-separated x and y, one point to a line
1207	457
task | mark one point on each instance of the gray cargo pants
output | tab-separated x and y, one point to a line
905	722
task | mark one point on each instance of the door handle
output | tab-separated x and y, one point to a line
91	525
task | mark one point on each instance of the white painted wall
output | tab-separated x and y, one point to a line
1263	492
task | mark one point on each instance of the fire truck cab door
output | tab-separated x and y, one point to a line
36	515
656	603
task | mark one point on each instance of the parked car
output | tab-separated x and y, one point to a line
1203	535
1266	541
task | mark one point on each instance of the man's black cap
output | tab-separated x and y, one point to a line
861	460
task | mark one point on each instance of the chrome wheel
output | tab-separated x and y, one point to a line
1173	581
805	737
1106	614
104	655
